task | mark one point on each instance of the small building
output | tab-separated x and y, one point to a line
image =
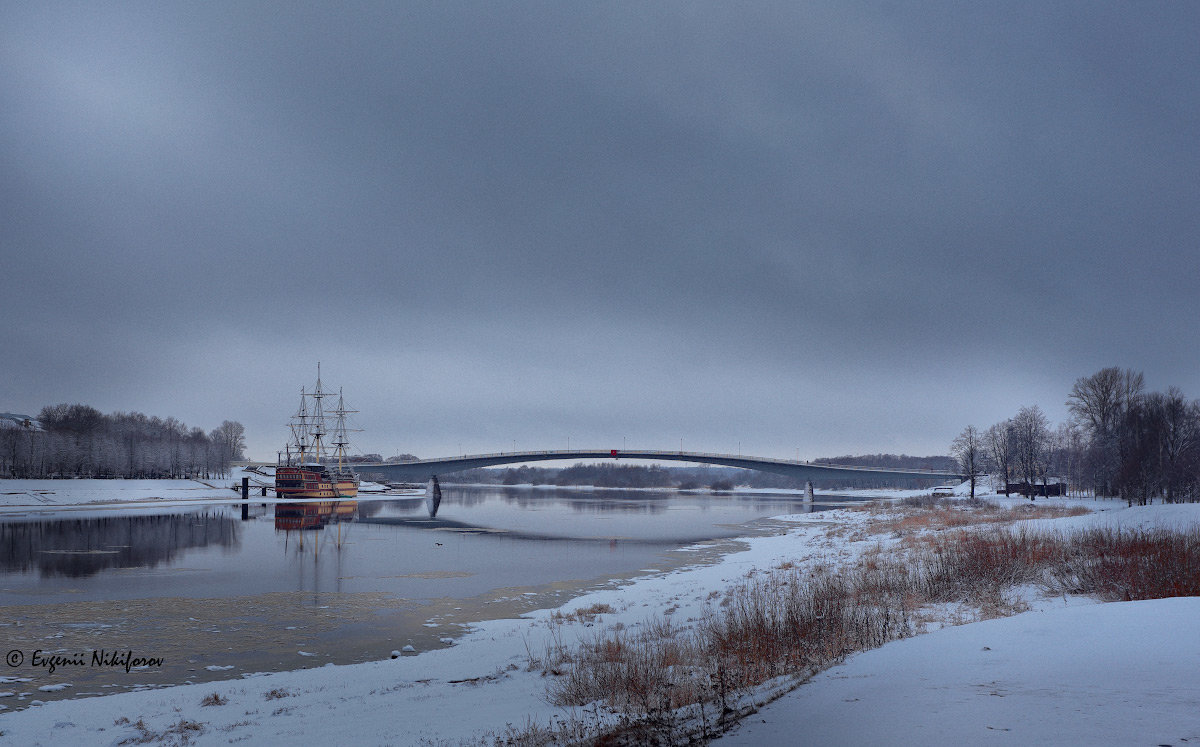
1053	486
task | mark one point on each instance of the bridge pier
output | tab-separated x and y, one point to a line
433	496
808	492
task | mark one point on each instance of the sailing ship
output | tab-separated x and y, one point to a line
305	468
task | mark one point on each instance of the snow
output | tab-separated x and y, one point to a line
31	497
1071	670
20	496
1123	673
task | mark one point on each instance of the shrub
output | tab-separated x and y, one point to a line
791	621
1120	565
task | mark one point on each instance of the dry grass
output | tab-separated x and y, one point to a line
793	622
935	513
1127	565
180	733
214	699
583	614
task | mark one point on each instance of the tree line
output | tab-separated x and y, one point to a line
691	478
599	475
1121	441
80	441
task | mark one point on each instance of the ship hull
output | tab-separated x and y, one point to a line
312	483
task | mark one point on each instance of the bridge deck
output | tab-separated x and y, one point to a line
424	469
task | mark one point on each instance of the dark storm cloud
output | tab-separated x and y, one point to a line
835	227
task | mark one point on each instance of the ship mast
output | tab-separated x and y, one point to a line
309	428
299	427
339	430
316	425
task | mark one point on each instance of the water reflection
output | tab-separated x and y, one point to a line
344	581
483	537
633	502
78	548
311	516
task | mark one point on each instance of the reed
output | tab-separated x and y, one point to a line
793	621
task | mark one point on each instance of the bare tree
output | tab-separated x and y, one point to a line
1179	440
1099	399
1031	441
78	441
1068	449
230	440
999	441
1138	476
1100	402
968	449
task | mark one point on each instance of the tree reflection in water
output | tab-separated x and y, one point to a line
83	547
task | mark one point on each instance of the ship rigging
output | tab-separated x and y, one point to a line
305	468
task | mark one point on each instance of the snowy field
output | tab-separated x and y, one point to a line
1069	671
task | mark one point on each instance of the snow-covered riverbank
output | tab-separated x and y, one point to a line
33	495
1124	673
41	496
485	683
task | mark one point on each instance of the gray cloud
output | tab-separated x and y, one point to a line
830	227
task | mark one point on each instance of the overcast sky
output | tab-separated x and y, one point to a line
795	228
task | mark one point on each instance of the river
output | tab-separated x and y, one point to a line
215	596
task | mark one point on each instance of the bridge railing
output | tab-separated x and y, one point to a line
651	453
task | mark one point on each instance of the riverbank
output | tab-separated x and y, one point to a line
17	496
493	681
35	496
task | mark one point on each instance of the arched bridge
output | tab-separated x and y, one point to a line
425	469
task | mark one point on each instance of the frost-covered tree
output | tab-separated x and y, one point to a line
79	441
230	441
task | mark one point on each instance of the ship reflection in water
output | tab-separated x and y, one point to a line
311	516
